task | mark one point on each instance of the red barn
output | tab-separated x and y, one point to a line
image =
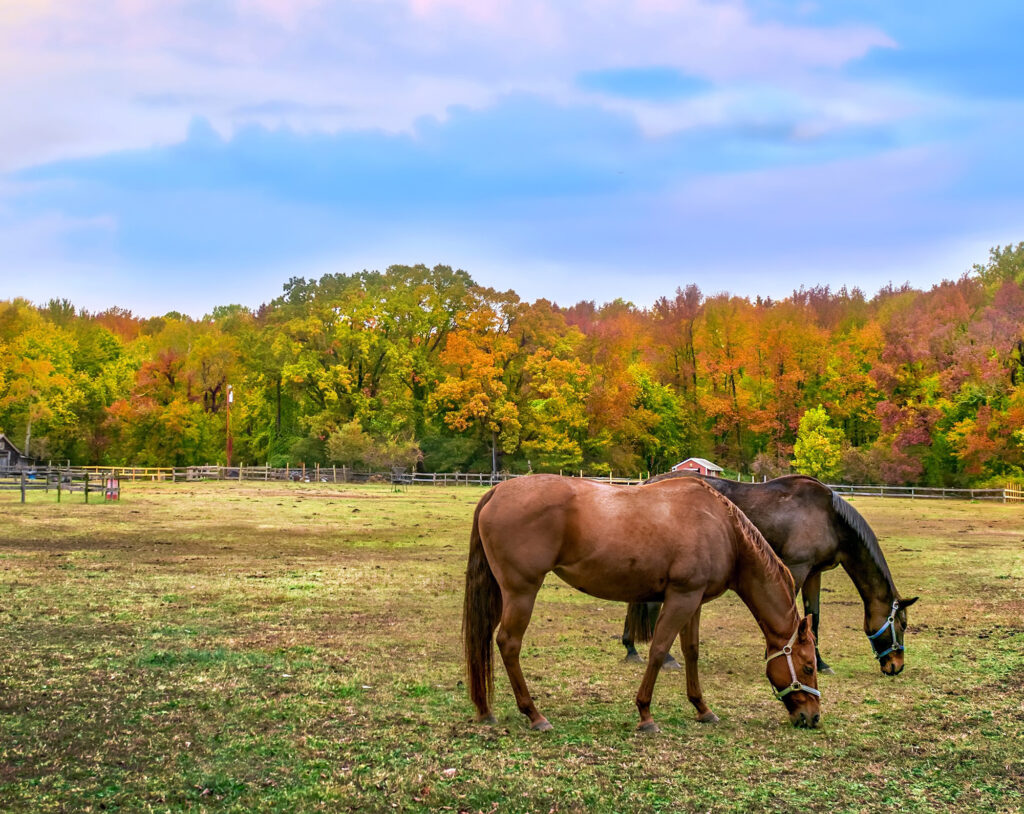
700	466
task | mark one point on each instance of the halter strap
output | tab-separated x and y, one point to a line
890	624
796	685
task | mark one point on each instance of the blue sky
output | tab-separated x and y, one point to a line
176	155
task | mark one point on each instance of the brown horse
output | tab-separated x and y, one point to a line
679	542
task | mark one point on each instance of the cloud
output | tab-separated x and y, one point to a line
556	191
743	143
114	74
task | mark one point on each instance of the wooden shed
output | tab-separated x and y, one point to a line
11	457
700	466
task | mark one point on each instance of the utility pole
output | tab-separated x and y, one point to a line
230	398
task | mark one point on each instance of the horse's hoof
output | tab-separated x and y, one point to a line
708	718
487	719
648	727
825	670
634	658
543	725
671	664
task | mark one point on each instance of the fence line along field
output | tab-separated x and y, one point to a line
296	647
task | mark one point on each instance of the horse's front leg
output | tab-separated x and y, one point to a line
515	616
812	607
690	638
675	613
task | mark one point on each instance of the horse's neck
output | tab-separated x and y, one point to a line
875	588
768	598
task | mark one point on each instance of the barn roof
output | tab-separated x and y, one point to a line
7	442
704	462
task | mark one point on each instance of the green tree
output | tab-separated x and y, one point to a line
1005	264
819	445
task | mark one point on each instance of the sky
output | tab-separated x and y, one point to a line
162	155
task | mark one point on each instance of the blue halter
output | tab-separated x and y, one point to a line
890	624
787	651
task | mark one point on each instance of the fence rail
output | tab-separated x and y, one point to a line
49	477
104	483
1010	493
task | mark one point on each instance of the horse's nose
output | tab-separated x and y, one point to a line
816	720
800	720
891	668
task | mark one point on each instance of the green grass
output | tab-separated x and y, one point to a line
295	647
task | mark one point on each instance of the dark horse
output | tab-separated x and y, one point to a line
813	529
679	542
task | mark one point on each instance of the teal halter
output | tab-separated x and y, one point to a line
787	651
890	624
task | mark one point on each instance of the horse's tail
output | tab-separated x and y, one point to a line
640	619
481	611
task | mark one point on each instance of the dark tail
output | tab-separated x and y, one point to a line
481	612
640	619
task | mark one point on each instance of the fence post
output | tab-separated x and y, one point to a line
334	472
22	485
87	484
59	479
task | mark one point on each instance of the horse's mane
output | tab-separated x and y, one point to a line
773	566
859	526
846	513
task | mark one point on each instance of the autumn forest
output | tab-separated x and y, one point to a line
421	367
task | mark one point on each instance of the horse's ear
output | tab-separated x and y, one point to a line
805	627
906	603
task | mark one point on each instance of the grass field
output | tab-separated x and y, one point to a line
230	647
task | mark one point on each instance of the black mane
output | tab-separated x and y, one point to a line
852	518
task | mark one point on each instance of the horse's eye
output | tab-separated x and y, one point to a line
808	669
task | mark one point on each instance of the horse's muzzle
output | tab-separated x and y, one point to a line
804	720
892	666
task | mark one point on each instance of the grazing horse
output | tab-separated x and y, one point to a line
679	542
813	529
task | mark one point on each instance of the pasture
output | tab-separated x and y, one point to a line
295	647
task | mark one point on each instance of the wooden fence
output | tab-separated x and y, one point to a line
105	485
1011	493
314	474
88	478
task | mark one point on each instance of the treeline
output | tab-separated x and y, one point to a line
420	367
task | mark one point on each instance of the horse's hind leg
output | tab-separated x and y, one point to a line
676	612
627	642
812	606
690	638
515	616
654	608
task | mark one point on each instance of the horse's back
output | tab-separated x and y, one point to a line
623	543
793	512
